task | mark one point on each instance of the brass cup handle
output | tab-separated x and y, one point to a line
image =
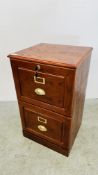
39	91
42	128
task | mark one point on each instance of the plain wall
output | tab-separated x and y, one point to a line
24	23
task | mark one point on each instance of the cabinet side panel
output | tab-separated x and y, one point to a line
79	97
15	77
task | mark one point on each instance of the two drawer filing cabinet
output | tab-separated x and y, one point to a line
50	82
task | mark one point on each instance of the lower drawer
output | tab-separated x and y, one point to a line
45	124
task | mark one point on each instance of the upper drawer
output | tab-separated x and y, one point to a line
44	87
48	86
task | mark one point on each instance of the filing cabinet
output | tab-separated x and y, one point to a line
50	82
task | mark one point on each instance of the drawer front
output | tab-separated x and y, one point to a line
51	87
45	124
44	87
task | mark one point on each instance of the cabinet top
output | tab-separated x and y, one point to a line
62	55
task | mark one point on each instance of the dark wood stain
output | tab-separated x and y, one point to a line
65	71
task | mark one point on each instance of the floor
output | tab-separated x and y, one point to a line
21	156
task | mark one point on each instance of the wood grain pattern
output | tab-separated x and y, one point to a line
79	97
53	83
62	55
59	86
58	127
65	69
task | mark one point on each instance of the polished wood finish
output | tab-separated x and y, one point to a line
50	82
59	81
58	127
62	55
79	97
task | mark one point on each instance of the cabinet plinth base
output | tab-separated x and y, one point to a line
44	142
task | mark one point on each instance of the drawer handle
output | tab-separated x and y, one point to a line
39	80
39	91
42	128
42	120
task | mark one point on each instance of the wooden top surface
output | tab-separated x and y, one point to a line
62	55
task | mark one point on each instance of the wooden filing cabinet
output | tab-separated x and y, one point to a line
50	82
